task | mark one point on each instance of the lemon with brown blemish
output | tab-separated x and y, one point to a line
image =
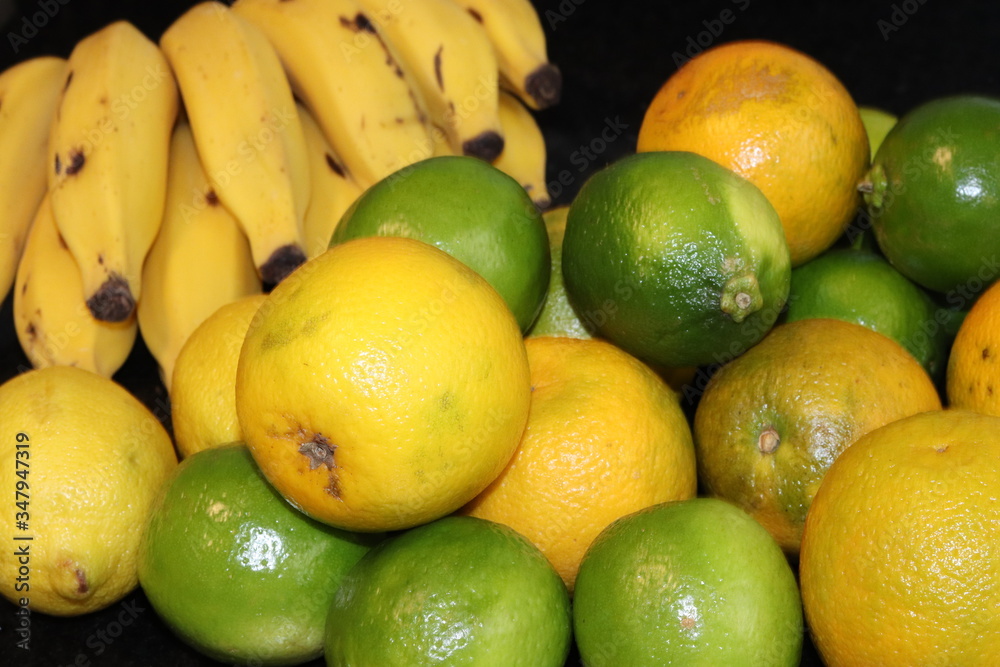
82	461
382	385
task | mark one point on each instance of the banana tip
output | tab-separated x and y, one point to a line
485	146
282	262
544	85
113	300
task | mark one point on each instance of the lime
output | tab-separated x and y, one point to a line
558	318
675	259
456	591
862	287
689	582
234	570
471	210
933	193
877	124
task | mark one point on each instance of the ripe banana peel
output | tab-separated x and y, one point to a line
28	94
107	165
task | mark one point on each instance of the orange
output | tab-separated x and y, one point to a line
382	385
773	420
974	364
900	560
605	437
777	117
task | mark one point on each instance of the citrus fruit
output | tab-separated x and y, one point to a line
877	124
900	564
605	437
675	259
456	591
557	317
691	582
234	570
82	460
777	117
384	385
202	393
471	210
859	286
974	364
933	193
771	422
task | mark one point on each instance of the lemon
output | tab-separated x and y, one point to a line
558	318
82	459
203	390
384	385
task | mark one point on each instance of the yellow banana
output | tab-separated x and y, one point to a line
523	156
245	126
28	94
450	57
54	325
333	189
199	262
369	111
108	161
516	31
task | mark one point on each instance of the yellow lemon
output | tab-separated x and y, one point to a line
383	385
82	459
202	393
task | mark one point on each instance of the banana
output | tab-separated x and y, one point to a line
53	324
523	156
449	55
28	94
372	114
516	31
246	129
199	262
333	189
108	161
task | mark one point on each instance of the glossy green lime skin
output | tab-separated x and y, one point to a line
862	287
457	591
471	210
935	193
651	242
695	582
234	570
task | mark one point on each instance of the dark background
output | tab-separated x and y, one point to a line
614	56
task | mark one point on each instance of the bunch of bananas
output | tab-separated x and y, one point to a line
145	185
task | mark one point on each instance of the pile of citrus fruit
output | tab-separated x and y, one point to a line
741	393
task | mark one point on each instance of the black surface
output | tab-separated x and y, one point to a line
614	56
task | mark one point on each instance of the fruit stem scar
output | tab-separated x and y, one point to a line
743	300
319	451
768	440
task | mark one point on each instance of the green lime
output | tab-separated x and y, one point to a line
471	210
456	591
558	318
234	570
862	287
877	124
675	259
933	193
690	582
